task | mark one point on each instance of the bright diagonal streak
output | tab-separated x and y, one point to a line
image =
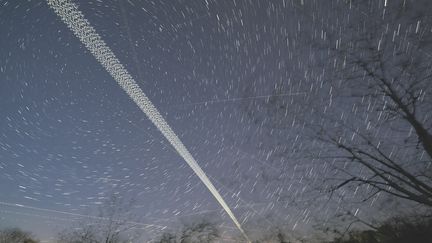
80	26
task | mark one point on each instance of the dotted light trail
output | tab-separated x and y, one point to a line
80	26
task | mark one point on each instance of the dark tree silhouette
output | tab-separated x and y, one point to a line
16	235
369	118
167	238
198	231
381	89
114	223
414	229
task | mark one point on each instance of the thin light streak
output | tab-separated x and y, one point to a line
75	214
238	99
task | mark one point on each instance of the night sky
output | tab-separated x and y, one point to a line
70	136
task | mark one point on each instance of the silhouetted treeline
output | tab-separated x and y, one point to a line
414	229
396	230
16	235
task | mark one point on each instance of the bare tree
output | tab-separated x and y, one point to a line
197	231
370	124
167	237
275	237
114	223
201	232
381	121
85	234
15	235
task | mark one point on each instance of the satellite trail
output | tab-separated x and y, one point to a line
80	26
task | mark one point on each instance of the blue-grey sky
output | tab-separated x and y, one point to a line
70	136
